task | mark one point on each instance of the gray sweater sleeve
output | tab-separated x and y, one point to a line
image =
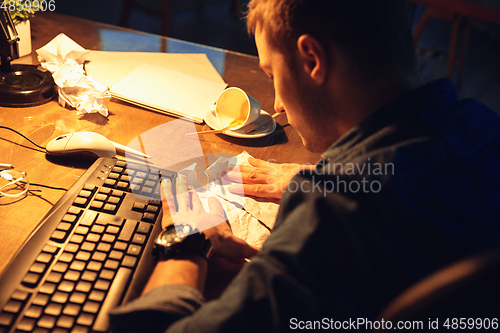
156	310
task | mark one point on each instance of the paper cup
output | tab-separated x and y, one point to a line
236	108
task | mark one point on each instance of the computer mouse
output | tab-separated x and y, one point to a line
84	143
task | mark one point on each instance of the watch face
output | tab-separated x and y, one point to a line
183	230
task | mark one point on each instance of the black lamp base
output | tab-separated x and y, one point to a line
26	85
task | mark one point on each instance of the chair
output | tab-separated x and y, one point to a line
455	11
164	13
467	289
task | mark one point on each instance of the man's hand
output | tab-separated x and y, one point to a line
263	179
213	224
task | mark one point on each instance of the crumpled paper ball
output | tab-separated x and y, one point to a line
64	59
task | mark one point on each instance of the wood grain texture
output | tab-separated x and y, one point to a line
125	123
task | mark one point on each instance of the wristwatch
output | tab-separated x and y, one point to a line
181	238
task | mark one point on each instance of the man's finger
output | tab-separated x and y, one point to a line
253	177
256	190
167	197
182	194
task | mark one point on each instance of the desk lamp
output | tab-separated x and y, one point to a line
20	85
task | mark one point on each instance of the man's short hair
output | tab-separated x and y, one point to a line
375	33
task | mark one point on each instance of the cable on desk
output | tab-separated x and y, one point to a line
13	130
50	187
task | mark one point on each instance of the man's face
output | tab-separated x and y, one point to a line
292	95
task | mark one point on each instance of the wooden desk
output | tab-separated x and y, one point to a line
125	122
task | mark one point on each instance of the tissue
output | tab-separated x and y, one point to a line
64	59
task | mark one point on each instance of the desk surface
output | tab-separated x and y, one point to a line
125	122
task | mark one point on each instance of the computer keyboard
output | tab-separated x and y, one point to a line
90	253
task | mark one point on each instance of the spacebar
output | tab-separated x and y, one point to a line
114	297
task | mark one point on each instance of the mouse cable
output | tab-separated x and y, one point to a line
50	187
13	130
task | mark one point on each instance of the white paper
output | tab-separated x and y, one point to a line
168	91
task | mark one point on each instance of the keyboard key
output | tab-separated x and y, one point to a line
38	267
31	279
77	265
114	200
44	258
82	230
91	307
114	296
127	231
122	246
134	250
152	209
125	178
94	266
98	229
106	219
26	324
89	276
64	226
70	218
66	257
99	256
60	267
60	297
107	274
85	319
48	288
102	285
88	246
117	169
71	309
83	255
113	175
139	239
89	187
65	322
78	239
109	208
101	197
105	190
97	205
116	254
111	264
71	247
93	237
6	319
144	227
72	275
66	286
104	247
83	286
41	299
74	210
111	229
117	193
108	238
20	295
78	297
50	249
110	182
97	295
129	261
138	207
122	185
54	277
89	218
13	306
34	311
58	236
53	309
47	322
81	202
148	217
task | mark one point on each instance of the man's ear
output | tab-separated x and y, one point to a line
313	58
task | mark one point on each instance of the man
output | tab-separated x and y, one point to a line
408	182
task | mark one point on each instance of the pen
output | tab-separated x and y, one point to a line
5	166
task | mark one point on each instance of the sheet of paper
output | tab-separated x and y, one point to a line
111	67
169	91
